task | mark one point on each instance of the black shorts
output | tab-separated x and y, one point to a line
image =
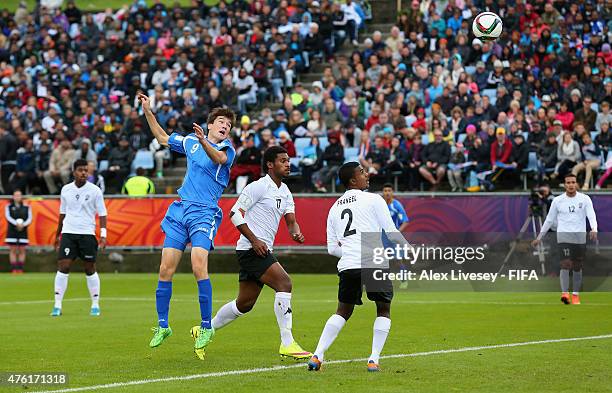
572	251
73	246
350	288
15	237
252	266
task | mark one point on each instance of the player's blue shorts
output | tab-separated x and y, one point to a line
189	222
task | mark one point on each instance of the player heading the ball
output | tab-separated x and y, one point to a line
196	216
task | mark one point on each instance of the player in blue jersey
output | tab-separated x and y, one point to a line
399	217
196	216
398	214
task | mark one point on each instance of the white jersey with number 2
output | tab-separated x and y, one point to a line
354	213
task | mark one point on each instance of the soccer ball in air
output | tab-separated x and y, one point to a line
487	26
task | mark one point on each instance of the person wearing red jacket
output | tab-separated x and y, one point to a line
287	143
501	149
529	18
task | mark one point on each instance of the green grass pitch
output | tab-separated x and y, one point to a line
113	348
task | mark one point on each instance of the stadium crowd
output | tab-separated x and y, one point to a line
424	105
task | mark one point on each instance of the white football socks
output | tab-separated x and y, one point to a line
284	316
382	325
93	284
334	324
226	314
61	283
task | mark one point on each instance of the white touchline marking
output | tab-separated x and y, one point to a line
303	365
186	299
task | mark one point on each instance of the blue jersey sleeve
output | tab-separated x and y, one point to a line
401	212
227	146
176	143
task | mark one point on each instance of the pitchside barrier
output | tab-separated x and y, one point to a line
134	223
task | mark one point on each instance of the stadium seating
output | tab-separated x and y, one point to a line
143	159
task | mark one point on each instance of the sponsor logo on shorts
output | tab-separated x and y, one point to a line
205	230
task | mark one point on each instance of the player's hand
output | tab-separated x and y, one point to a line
199	131
144	101
593	235
535	242
102	243
260	248
19	227
298	237
57	243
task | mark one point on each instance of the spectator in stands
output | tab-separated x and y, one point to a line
397	161
455	169
297	127
328	163
377	156
519	158
547	156
436	156
315	126
568	155
138	185
501	154
24	177
86	152
383	127
248	160
501	149
603	140
604	116
586	115
415	160
119	164
43	158
331	115
565	116
60	168
537	135
310	157
94	177
480	155
591	160
138	139
8	157
247	90
285	141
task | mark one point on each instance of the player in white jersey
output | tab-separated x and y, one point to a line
80	202
257	214
355	215
570	212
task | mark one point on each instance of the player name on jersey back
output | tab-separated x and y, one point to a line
350	199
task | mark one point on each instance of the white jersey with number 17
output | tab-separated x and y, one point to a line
354	213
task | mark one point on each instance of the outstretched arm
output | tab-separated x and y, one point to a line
218	156
156	129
